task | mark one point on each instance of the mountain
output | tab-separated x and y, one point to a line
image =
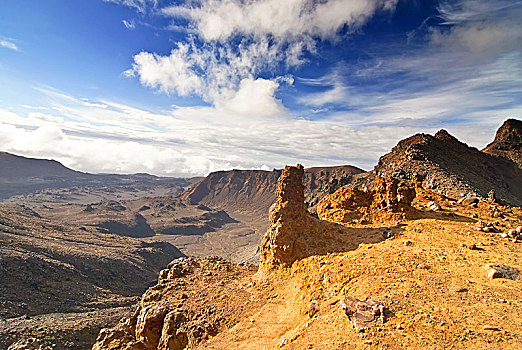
508	142
251	190
443	163
255	189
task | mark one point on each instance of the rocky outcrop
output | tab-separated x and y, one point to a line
294	233
387	199
448	166
508	142
188	305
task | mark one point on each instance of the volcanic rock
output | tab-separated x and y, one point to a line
294	233
508	142
363	313
172	316
433	206
389	199
443	163
501	271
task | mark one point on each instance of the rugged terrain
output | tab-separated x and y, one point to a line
423	252
443	276
446	165
51	272
33	181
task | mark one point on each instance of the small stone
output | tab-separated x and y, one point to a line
504	235
488	327
313	308
519	229
474	216
408	243
512	233
469	200
433	206
501	271
400	326
363	313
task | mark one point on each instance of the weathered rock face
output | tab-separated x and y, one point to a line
294	233
288	217
185	308
508	142
389	199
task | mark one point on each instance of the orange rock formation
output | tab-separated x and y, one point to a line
390	199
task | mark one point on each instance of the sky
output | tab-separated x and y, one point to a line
184	88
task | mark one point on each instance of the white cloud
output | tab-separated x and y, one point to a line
290	19
129	24
140	5
173	73
484	28
223	75
9	45
254	98
461	11
336	94
189	141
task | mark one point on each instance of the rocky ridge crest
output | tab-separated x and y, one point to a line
508	142
448	166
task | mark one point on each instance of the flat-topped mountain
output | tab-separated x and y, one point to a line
443	163
17	168
235	189
508	142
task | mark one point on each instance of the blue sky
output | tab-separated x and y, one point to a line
183	88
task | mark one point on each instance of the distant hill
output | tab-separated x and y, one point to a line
17	168
20	175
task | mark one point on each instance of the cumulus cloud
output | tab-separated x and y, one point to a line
254	98
237	41
173	73
8	44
